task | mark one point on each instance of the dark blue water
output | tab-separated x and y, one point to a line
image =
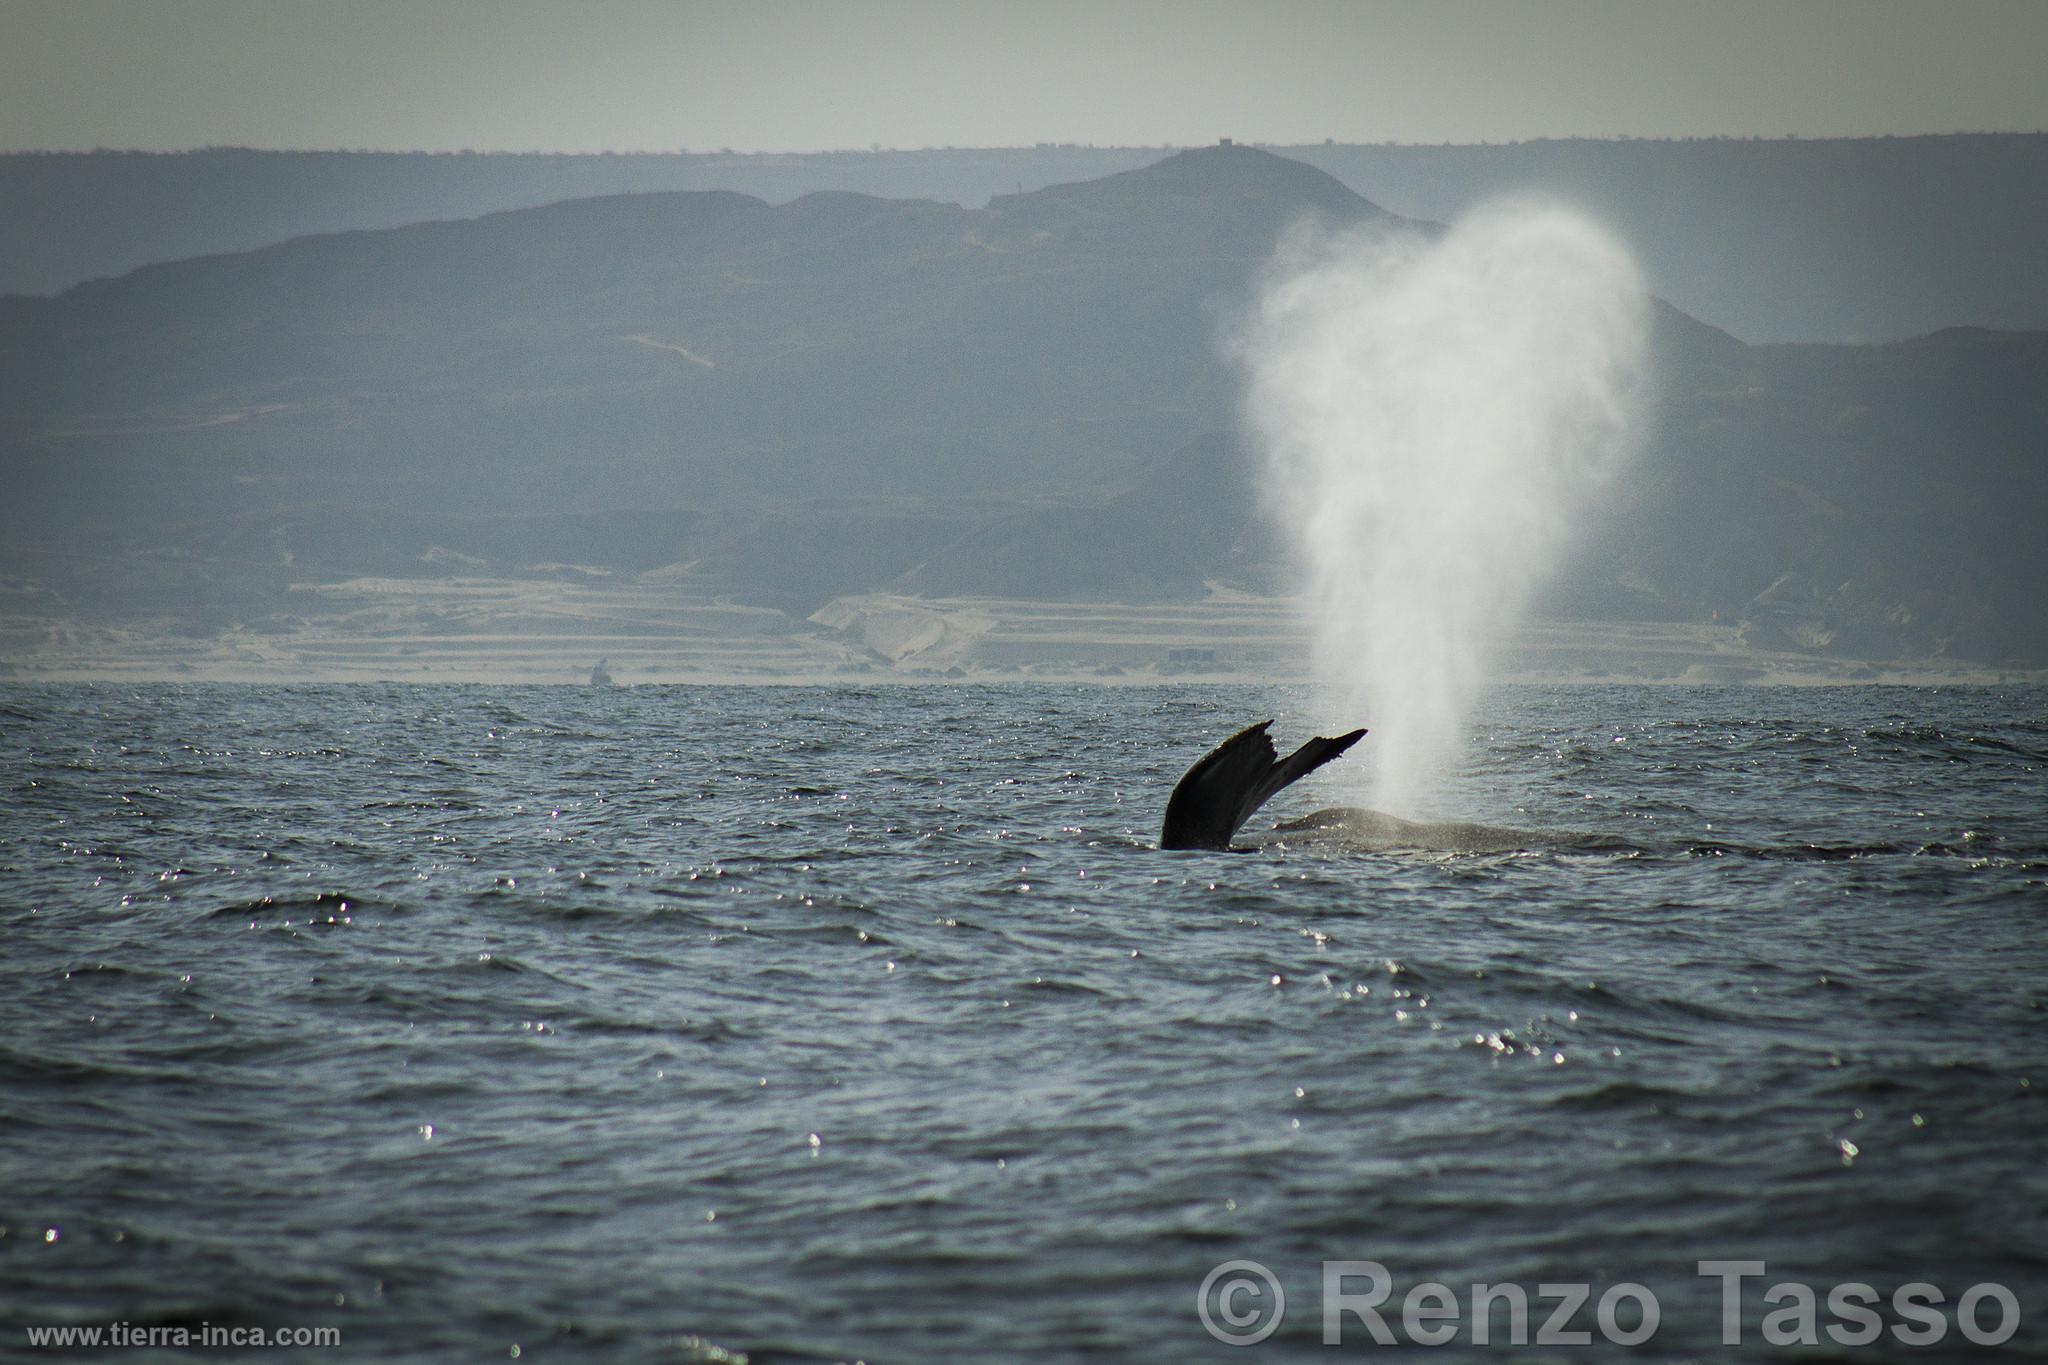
838	1023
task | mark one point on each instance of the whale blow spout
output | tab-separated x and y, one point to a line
1216	796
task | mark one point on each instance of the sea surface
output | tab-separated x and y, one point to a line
685	1023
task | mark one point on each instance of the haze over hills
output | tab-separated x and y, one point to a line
1868	239
785	405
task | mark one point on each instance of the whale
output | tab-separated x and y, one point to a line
1352	830
1227	785
1214	799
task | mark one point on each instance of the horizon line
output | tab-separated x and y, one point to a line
875	150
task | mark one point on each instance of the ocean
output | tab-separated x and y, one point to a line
692	1023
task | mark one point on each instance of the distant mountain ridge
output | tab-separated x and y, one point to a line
843	394
1773	240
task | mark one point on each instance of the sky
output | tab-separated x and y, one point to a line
772	75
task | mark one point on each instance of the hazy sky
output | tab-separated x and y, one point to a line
588	75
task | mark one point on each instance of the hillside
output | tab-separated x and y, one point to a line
788	404
1845	240
1777	240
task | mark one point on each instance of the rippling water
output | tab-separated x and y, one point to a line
662	1022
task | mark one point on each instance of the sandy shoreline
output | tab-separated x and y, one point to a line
658	630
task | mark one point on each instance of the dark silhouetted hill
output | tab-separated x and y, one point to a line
844	393
1865	239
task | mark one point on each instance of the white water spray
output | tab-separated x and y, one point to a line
1437	415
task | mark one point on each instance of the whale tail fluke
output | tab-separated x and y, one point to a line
1216	796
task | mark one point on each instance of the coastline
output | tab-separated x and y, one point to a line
659	630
